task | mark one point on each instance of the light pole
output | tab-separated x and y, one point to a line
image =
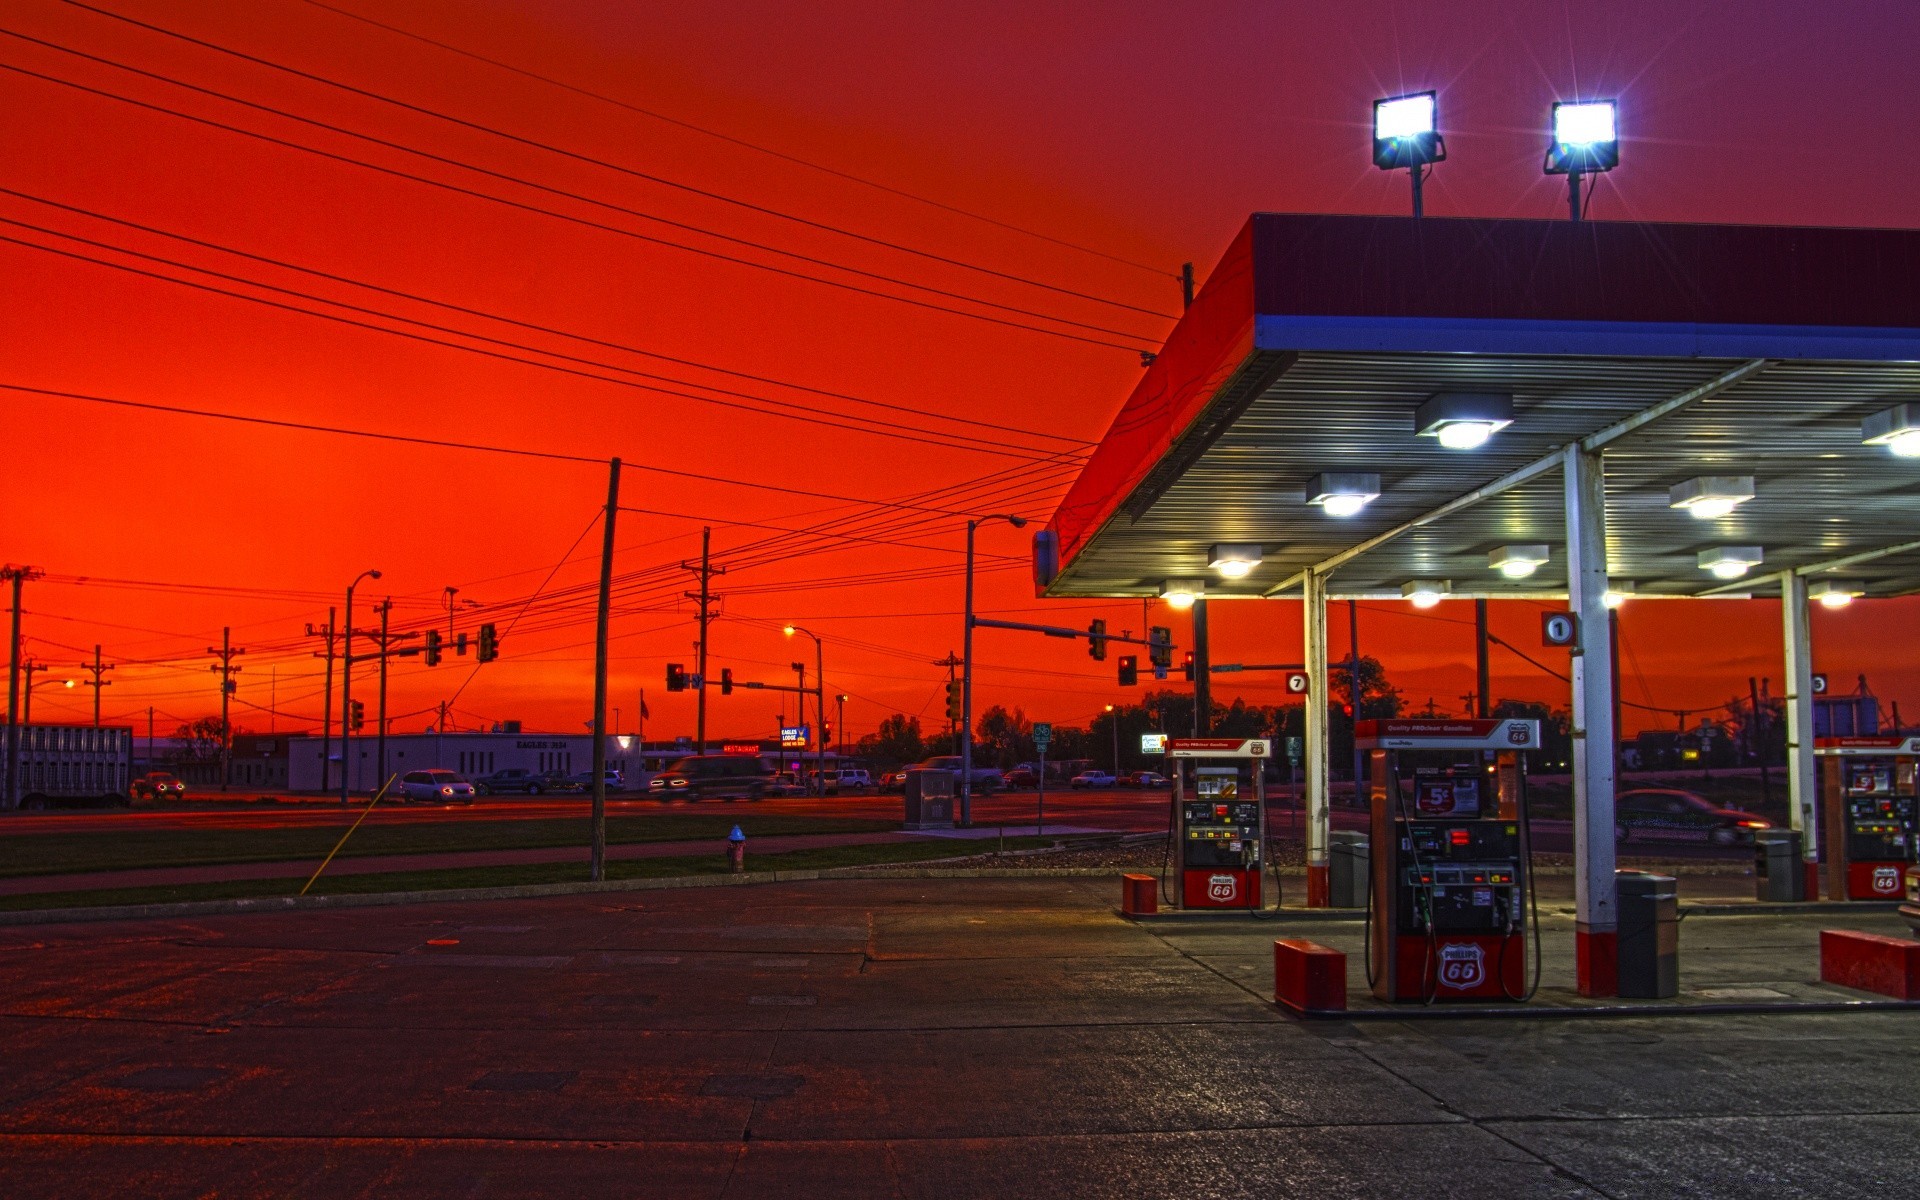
840	720
966	678
819	704
346	688
1113	719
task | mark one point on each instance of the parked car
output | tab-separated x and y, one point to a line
893	781
442	787
582	781
986	780
1143	779
699	776
1020	777
513	780
1093	778
157	785
847	779
785	783
558	781
1669	813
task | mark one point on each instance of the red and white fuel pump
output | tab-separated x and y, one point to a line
1450	898
1869	814
1218	821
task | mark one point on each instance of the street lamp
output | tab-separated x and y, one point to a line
819	704
1113	719
840	720
966	678
346	687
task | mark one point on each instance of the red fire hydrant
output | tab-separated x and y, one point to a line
737	851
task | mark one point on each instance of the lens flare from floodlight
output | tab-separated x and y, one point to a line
1585	124
1403	116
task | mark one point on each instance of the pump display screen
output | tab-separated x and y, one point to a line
1217	783
1221	833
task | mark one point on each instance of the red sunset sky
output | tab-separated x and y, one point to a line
1143	131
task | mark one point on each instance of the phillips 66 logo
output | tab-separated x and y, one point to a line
1462	966
1221	888
1886	880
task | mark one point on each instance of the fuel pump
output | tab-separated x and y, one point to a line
1868	812
1218	821
1450	906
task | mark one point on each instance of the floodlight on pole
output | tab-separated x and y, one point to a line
1406	135
1586	141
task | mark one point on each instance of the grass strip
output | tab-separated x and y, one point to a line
510	876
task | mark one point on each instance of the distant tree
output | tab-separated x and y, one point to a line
1005	737
896	742
201	740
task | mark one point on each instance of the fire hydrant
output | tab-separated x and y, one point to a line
737	851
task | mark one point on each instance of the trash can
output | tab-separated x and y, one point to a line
1777	871
1649	935
929	797
1347	853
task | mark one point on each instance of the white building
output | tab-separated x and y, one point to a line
473	755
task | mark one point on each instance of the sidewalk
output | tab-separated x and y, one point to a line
390	863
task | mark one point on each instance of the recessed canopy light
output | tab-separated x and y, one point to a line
1898	429
1730	562
1425	593
1710	497
1343	493
1618	592
1463	420
1235	560
1517	562
1181	593
1836	593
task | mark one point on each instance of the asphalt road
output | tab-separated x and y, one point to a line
892	1038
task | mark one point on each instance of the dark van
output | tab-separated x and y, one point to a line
701	775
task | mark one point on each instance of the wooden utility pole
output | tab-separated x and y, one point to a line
601	619
18	576
706	599
328	631
226	652
97	669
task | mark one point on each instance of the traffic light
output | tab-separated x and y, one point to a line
1129	670
356	716
460	644
431	649
726	681
1097	640
489	644
953	700
1187	666
826	734
1160	646
676	677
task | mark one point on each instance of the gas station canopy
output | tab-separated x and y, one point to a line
1676	351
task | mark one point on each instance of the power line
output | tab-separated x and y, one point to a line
742	142
529	325
547	212
660	180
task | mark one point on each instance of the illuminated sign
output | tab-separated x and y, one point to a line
1153	743
794	737
740	748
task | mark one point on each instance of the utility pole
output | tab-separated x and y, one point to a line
30	668
384	608
1757	738
97	669
1480	675
329	631
346	688
840	721
226	652
705	598
149	737
18	576
602	616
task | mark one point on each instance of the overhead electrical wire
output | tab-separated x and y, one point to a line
742	142
568	217
646	176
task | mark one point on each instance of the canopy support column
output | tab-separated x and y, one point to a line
1319	818
1802	794
1594	737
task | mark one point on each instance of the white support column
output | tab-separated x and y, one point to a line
1319	816
1594	737
1803	794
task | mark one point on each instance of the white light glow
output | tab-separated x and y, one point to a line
1584	124
1465	435
1178	599
1712	508
1835	599
1234	568
1344	506
1614	599
1729	569
1424	599
1408	116
1906	445
1518	568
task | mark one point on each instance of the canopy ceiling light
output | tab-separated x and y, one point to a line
1710	497
1406	136
1517	562
1425	593
1586	141
1836	593
1463	420
1730	562
1618	593
1181	593
1234	560
1343	493
1898	429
